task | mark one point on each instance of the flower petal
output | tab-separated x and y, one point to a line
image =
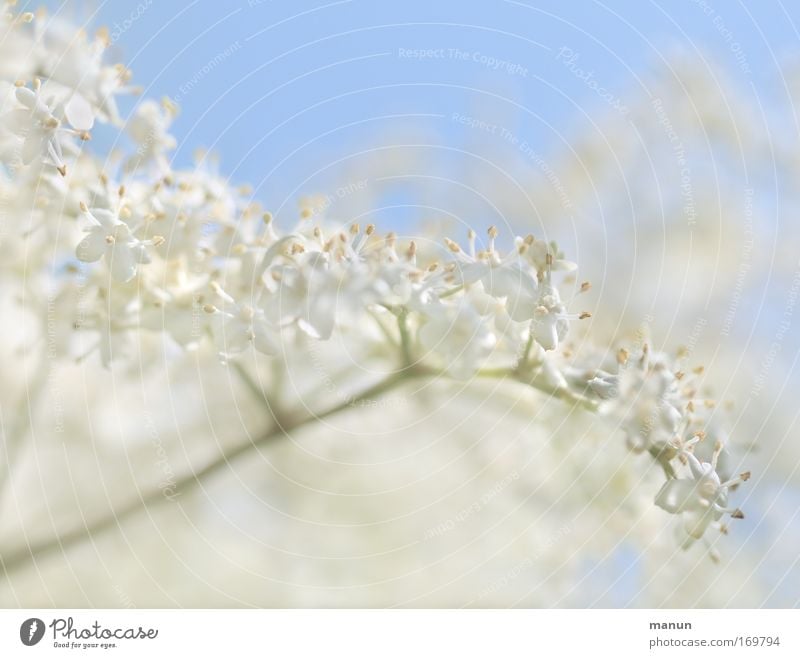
123	263
18	121
92	247
678	495
79	113
545	331
33	147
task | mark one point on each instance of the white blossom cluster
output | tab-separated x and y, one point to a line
125	243
659	410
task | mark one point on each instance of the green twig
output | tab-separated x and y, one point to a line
29	553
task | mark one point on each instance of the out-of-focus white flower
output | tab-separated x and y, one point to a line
113	239
647	397
78	64
149	130
543	256
173	301
550	323
38	128
459	335
238	326
702	498
506	277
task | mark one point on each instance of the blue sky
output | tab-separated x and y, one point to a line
283	89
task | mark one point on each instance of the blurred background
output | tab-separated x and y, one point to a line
656	141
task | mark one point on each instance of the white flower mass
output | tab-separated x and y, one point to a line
120	248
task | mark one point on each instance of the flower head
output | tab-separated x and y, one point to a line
701	498
111	238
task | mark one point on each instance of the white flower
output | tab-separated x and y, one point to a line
319	283
529	293
550	319
542	256
236	326
459	335
77	64
604	385
173	303
507	278
149	128
178	216
306	295
112	238
38	127
702	499
647	398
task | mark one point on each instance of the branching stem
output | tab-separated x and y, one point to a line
281	427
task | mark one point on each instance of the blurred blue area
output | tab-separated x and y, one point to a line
284	89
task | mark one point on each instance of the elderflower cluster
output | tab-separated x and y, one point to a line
129	244
656	404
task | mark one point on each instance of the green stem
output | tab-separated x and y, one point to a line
29	553
536	382
21	425
523	362
451	292
251	384
386	333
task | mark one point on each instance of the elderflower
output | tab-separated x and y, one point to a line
459	335
38	127
238	325
701	498
112	239
149	130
